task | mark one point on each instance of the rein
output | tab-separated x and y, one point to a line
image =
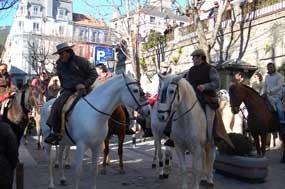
104	113
110	115
189	110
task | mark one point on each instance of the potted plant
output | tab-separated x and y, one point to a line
240	161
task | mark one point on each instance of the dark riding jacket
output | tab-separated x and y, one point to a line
76	71
207	75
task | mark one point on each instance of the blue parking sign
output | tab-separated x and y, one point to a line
102	54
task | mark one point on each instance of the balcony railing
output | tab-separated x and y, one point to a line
262	8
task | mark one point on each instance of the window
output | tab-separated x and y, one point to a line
35	10
81	33
21	25
61	30
181	24
94	34
152	19
61	13
36	26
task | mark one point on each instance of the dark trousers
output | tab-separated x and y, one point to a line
54	119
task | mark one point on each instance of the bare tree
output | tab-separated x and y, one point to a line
6	4
39	54
129	13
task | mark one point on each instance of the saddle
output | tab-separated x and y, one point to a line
67	107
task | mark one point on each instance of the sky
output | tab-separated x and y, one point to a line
99	9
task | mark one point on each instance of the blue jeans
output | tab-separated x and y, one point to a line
279	108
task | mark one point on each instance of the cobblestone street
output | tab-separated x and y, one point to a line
137	161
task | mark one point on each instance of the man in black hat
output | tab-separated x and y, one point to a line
76	74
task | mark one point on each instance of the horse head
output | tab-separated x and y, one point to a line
168	96
237	95
136	93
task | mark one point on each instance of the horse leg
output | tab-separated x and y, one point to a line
263	143
38	131
257	144
106	154
48	155
154	158
95	151
56	159
183	171
197	166
79	161
61	165
209	159
67	159
121	138
168	157
25	135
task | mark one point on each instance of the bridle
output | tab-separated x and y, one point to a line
139	106
171	115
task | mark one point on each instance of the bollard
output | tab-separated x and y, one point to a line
20	176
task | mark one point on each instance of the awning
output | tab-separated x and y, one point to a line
234	66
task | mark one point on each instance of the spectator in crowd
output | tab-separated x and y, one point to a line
103	73
53	88
241	78
273	90
8	155
258	83
6	86
213	11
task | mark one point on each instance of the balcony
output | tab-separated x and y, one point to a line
262	8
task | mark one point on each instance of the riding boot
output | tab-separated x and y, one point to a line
129	131
169	143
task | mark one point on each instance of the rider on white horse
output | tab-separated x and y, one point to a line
205	80
76	74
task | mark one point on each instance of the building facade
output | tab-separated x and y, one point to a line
38	26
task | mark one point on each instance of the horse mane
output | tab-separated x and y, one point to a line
252	90
187	87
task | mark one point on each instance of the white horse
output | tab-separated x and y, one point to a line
233	122
164	155
178	103
87	123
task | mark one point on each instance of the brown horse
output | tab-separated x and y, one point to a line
260	119
18	108
117	126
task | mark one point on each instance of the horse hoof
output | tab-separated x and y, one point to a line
67	166
63	183
165	176
39	146
56	166
206	184
153	166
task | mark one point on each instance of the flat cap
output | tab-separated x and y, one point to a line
199	52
